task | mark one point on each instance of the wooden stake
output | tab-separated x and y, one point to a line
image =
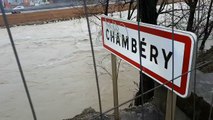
170	105
115	86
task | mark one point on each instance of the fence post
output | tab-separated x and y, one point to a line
115	86
170	105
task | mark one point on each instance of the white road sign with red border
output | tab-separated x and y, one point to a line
157	47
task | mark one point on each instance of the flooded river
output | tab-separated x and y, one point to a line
58	67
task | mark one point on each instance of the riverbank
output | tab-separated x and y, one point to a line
45	16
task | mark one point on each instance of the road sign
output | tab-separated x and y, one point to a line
156	48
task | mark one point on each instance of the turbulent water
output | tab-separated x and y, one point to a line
58	67
57	63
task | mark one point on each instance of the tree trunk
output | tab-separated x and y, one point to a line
148	14
148	11
208	27
190	23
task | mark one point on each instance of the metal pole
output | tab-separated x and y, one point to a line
93	56
17	60
171	97
139	17
195	72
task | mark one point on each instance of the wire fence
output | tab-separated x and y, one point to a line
106	4
174	78
18	61
155	88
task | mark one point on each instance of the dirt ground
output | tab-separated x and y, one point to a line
147	112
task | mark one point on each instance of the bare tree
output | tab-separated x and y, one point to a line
191	15
208	26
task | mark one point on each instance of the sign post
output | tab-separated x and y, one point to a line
120	37
115	86
170	105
